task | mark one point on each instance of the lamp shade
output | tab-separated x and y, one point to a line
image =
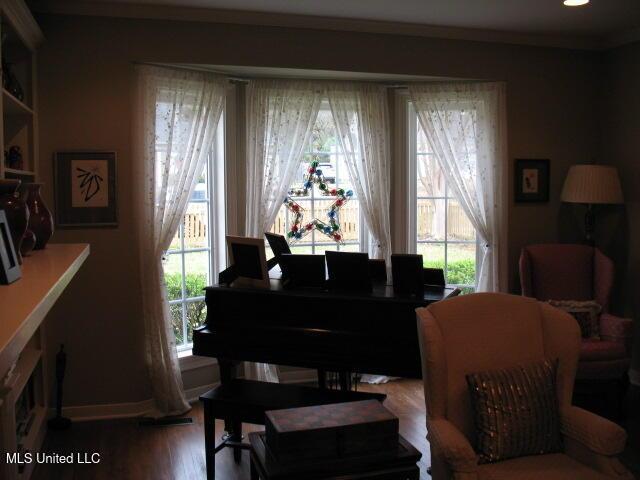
592	184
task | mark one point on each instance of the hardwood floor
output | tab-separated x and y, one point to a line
177	452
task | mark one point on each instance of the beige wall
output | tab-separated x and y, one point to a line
621	147
85	84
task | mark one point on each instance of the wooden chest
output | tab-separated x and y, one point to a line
330	431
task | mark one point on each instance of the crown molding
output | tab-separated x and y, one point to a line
18	14
243	17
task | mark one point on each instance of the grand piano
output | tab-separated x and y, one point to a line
372	332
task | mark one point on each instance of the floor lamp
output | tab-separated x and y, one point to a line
592	185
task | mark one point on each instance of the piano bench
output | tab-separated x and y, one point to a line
245	401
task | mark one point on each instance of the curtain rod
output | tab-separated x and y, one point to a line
245	80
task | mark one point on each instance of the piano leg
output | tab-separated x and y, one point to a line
228	371
236	436
210	441
345	380
322	379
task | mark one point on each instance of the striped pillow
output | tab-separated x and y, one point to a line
516	411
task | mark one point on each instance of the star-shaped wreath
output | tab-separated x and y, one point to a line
331	228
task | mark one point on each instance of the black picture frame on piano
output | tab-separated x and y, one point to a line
407	273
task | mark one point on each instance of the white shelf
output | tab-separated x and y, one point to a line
12	106
30	442
25	366
45	274
15	171
34	439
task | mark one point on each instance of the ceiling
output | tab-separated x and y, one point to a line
600	20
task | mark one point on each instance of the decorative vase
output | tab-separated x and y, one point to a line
28	242
16	211
40	220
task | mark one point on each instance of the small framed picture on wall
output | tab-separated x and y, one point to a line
85	189
531	180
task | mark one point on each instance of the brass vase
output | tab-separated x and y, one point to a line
40	218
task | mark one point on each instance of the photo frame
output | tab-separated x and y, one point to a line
9	265
85	189
249	262
531	180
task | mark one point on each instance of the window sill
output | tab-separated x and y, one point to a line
188	361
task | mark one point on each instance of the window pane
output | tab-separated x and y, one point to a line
196	267
200	192
461	268
349	217
196	315
350	248
323	135
432	254
422	143
175	243
320	249
458	225
172	264
430	179
195	226
307	216
430	219
301	250
280	225
176	320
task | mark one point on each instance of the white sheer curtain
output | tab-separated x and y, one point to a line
465	124
177	113
280	116
361	117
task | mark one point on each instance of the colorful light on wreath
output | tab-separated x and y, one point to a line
330	228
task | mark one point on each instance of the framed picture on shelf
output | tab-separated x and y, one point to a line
531	180
85	189
9	266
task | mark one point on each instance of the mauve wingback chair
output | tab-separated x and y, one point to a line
489	331
581	272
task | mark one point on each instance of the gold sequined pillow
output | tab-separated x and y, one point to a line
586	313
516	411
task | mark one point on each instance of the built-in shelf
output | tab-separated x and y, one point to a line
15	171
24	403
25	366
45	274
40	414
12	106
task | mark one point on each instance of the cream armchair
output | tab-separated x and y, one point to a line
486	331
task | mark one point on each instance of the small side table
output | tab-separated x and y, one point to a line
400	464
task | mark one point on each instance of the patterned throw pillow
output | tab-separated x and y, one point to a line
516	411
586	313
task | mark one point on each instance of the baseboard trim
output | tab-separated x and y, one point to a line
303	375
112	411
193	394
634	377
